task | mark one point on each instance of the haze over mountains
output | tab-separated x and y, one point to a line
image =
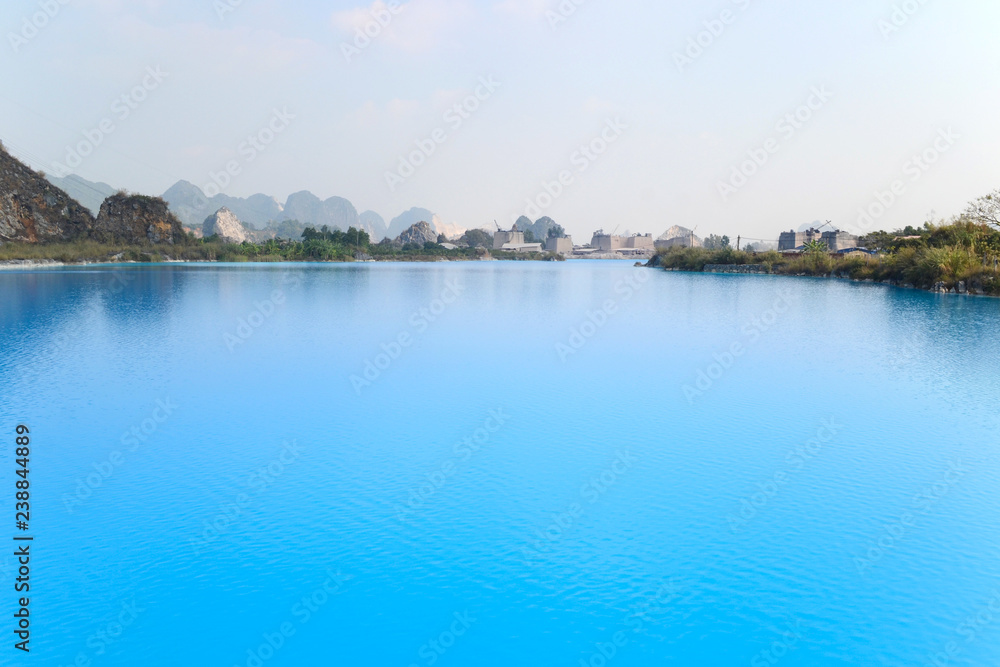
190	204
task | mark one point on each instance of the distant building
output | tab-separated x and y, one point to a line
606	242
513	237
563	246
611	243
640	242
793	239
521	247
838	240
835	240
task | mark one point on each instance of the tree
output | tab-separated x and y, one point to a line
716	242
985	210
529	237
478	237
816	247
557	232
878	241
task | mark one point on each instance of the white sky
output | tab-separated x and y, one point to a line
560	84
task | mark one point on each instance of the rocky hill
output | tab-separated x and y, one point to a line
33	210
190	204
374	224
138	219
309	209
404	221
419	233
226	225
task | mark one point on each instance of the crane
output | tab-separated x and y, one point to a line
828	223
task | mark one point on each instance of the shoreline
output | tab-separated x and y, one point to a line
884	283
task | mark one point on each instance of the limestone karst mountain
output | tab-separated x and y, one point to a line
226	225
191	206
126	218
420	233
32	209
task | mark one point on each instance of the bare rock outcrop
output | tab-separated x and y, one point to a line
226	225
136	219
419	233
33	210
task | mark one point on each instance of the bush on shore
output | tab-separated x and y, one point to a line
962	251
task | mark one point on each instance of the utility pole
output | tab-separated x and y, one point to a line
738	239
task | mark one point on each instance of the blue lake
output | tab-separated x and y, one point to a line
492	463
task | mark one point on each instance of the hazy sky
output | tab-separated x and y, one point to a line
664	132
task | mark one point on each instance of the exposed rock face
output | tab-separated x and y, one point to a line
136	219
191	205
404	221
34	210
419	233
374	224
225	223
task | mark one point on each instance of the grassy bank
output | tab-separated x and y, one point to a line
934	257
212	250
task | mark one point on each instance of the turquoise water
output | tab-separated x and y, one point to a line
544	464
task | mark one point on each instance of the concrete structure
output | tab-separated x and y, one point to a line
513	237
838	240
563	246
606	242
793	239
610	243
640	242
521	247
835	240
